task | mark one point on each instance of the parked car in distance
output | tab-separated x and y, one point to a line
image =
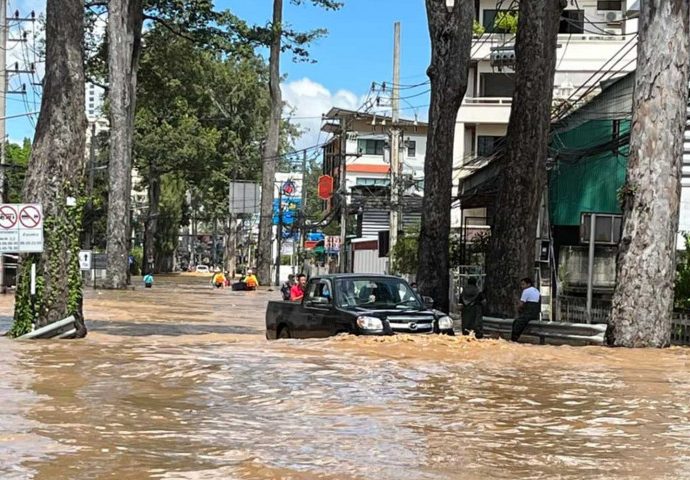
357	304
202	269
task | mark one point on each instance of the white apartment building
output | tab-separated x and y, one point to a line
94	102
367	148
593	35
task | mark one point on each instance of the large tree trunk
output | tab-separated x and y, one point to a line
522	176
270	160
151	226
451	42
643	299
125	18
55	173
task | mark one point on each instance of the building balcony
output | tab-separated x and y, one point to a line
583	51
485	110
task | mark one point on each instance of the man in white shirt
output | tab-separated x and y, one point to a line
529	309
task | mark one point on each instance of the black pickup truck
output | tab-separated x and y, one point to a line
356	304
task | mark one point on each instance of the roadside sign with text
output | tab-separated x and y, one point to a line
332	243
21	228
85	258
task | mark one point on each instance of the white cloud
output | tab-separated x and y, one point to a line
306	98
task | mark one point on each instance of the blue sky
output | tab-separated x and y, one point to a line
356	52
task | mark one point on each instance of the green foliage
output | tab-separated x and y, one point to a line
57	229
138	254
477	29
474	252
405	255
506	22
200	120
172	215
24	314
17	160
314	209
95	220
682	283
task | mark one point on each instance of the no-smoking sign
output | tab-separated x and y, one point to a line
30	216
21	227
8	217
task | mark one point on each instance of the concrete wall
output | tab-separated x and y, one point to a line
368	261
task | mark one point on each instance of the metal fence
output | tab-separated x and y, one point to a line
574	310
680	329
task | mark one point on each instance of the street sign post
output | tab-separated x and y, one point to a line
332	244
21	228
85	260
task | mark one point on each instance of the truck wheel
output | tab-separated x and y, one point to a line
284	332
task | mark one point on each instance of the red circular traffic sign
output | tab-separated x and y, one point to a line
289	188
29	216
8	217
325	187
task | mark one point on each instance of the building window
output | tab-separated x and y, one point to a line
496	85
411	148
489	19
371	147
616	5
91	112
373	182
607	228
486	145
572	21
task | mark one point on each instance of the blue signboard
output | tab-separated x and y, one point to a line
315	236
289	211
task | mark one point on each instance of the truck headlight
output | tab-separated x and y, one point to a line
445	323
371	324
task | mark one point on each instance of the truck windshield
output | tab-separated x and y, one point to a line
377	293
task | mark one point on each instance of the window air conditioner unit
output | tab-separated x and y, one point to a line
502	57
613	16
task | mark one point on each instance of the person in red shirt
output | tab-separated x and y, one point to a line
297	290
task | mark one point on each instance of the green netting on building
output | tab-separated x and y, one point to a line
590	168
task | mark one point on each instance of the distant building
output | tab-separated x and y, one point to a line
368	179
367	148
594	35
95	96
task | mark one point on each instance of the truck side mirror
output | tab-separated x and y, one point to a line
428	302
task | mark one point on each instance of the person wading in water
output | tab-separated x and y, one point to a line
473	302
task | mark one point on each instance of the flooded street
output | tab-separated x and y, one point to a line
179	383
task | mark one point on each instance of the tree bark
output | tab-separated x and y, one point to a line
56	172
270	160
451	42
522	176
151	227
125	19
643	299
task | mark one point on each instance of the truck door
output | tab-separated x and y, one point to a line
319	309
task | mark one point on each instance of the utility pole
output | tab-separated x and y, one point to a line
88	234
4	85
395	174
280	233
342	266
303	209
3	108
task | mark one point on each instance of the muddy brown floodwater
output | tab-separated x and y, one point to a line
178	382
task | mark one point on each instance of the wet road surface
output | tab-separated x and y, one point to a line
178	382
